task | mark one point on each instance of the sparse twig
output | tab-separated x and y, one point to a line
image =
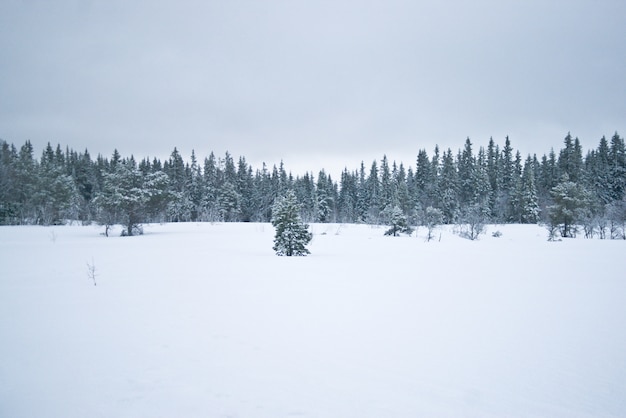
91	271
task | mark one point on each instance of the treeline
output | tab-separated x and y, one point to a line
565	189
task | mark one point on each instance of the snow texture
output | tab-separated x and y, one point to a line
203	320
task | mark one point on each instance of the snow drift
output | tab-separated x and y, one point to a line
197	320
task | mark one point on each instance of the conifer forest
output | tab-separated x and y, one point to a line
570	191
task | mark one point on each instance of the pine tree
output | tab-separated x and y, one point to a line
181	205
515	207
599	170
346	205
264	194
56	197
466	168
292	235
27	183
507	184
571	204
402	190
195	187
209	210
373	195
548	178
617	162
528	196
448	184
244	188
8	184
435	190
481	184
424	181
362	206
398	222
493	162
387	188
84	175
571	159
128	197
325	200
229	203
307	195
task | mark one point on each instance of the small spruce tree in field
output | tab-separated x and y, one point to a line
571	204
292	235
398	222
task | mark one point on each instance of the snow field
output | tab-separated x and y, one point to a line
201	320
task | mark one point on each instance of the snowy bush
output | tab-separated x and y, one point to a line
432	218
472	223
136	230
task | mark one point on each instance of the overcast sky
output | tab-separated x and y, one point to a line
319	84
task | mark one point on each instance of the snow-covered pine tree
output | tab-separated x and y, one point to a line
128	196
529	206
571	159
372	186
398	222
423	180
571	204
325	197
617	166
466	167
229	202
448	186
599	172
346	206
292	235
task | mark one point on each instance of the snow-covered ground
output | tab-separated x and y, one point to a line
203	320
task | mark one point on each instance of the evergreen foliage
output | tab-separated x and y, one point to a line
397	220
571	206
495	181
128	196
292	235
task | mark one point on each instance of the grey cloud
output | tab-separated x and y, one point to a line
297	80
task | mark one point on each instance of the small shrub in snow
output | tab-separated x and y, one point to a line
91	271
553	231
432	218
616	213
602	226
136	229
472	223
